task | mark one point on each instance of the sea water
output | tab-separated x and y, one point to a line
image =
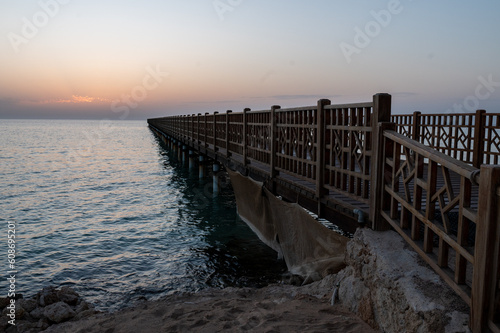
105	208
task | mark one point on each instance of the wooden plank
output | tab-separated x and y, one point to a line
396	158
440	233
463	228
300	108
479	133
417	196
460	292
486	233
431	206
320	141
493	326
348	106
443	253
378	174
342	127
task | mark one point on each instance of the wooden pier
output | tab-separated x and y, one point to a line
430	177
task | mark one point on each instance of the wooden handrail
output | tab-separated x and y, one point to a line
349	105
457	166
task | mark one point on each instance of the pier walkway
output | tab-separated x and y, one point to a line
432	178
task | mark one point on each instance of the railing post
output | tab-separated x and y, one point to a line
206	130
183	127
215	178
244	140
416	126
215	131
228	154
179	150
191	159
183	120
320	152
478	153
273	142
201	166
486	248
184	153
188	129
381	114
198	130
191	128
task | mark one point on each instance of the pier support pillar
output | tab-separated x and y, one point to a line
216	186
174	147
179	151
201	160
184	154
191	160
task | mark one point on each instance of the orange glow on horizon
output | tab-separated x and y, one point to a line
75	99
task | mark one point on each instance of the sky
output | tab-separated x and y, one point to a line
126	59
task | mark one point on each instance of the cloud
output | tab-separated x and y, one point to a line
404	94
7	101
75	99
300	96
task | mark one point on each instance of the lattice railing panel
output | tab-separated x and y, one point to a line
296	153
220	130
452	134
348	150
236	133
404	124
491	122
209	128
258	140
428	200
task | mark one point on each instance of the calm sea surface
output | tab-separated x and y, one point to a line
105	209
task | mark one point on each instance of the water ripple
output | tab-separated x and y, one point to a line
117	217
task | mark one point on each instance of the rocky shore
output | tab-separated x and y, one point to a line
385	287
48	307
276	308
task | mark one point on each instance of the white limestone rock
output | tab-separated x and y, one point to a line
389	286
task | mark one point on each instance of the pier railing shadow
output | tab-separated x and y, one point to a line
428	177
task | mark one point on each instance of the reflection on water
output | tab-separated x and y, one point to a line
113	214
232	255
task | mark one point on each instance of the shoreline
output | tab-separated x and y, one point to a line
277	307
384	287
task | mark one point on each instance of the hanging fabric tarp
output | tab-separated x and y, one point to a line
310	249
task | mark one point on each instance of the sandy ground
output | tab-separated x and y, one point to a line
276	308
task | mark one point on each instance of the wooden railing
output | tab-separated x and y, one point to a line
419	175
453	225
473	138
419	199
348	149
485	303
327	145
